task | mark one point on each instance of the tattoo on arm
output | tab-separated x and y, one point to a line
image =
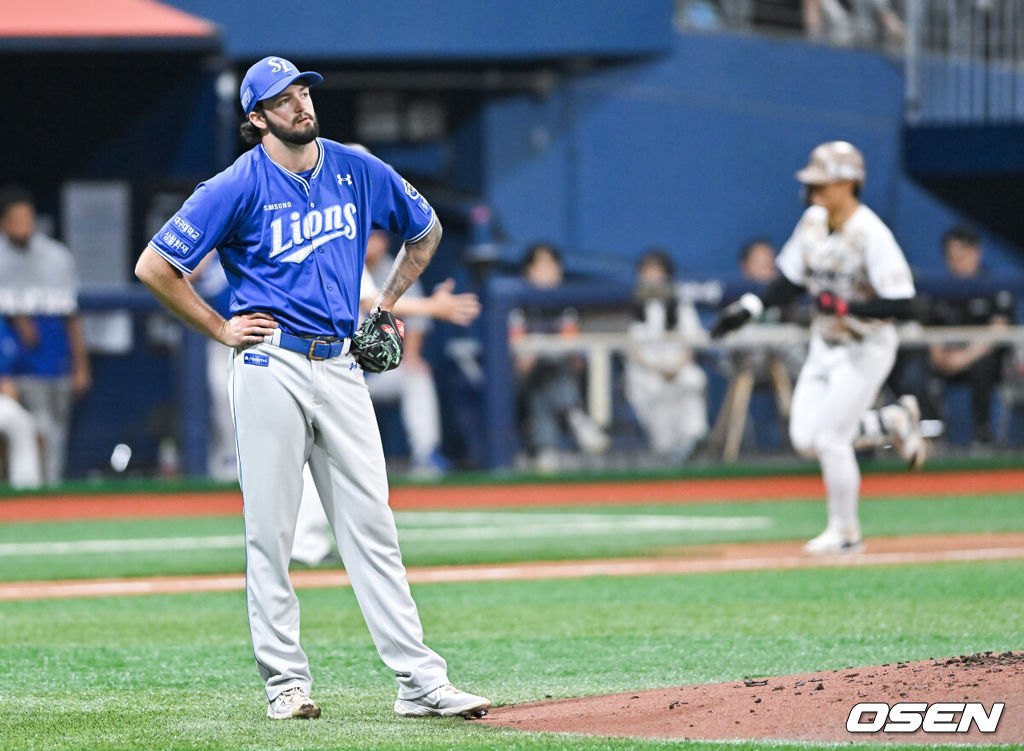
408	265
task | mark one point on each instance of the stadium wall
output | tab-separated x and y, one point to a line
696	151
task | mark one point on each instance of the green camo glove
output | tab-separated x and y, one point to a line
378	346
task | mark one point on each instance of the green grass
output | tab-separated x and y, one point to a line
432	538
176	672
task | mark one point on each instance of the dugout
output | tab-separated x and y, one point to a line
134	101
112	100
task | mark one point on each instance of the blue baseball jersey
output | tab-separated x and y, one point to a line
8	348
293	245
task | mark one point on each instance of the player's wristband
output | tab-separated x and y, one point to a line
752	304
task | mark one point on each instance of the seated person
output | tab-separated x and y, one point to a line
549	385
757	264
664	386
977	364
854	22
773	368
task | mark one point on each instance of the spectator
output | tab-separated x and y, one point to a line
977	364
757	264
16	425
664	385
549	385
38	292
854	22
759	368
757	260
775	15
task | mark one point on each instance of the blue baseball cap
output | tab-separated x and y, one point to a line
269	77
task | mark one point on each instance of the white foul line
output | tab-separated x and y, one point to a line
428	527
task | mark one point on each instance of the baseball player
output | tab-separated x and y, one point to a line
845	257
289	221
39	293
16	424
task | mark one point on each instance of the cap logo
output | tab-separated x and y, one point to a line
277	65
247	97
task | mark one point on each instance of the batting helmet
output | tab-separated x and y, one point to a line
831	162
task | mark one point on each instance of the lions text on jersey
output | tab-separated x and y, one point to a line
293	244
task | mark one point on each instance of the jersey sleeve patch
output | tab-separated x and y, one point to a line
410	190
173	241
186	228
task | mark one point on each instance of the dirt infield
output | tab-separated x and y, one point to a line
807	707
698	559
693	490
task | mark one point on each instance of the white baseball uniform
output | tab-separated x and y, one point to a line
849	357
19	430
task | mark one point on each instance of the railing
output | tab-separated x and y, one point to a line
600	348
965	61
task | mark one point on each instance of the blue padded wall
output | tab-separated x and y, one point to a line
696	151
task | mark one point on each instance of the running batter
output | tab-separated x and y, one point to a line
289	221
845	257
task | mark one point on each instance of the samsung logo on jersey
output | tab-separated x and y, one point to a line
276	206
318	227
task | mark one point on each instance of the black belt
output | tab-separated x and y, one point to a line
315	348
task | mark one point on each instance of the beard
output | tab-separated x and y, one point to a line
297	135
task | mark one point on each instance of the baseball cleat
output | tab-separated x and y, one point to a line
292	703
907	439
832	541
444	701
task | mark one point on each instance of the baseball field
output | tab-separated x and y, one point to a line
123	623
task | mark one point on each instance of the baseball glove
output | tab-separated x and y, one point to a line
377	346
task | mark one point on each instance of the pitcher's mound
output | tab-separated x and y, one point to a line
809	707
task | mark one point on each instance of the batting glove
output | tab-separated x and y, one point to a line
830	304
736	314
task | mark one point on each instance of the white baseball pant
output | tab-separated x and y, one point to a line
289	410
49	400
837	385
421	415
312	530
19	428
